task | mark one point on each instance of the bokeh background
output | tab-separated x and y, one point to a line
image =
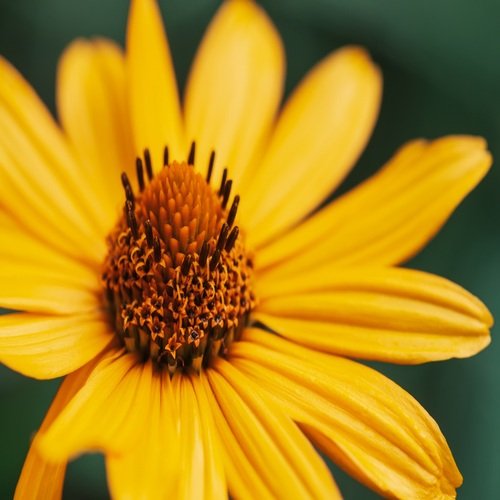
441	66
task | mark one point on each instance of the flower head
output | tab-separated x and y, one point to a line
166	261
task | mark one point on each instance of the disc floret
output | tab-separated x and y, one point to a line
177	277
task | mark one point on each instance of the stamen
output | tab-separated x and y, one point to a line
210	166
156	249
222	237
140	173
149	233
131	220
149	165
192	152
165	156
223	181
233	210
227	193
129	194
214	260
186	265
232	238
204	254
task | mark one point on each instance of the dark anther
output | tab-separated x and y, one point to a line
149	232
140	173
192	151
194	335
131	220
203	254
214	260
165	156
186	265
227	192
222	237
129	194
223	181
156	249
210	166
147	162
232	212
232	238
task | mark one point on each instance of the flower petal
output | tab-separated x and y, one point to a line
244	480
19	248
153	98
385	314
201	462
42	480
320	134
367	424
51	346
388	218
150	469
92	105
107	413
234	88
41	181
284	459
30	288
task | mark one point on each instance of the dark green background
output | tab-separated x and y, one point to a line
441	66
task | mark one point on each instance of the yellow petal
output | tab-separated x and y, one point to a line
20	248
51	346
391	314
107	414
388	218
150	469
31	288
279	452
92	105
42	480
320	134
200	462
243	478
41	181
234	89
367	424
153	98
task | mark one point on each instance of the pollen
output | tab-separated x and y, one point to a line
177	277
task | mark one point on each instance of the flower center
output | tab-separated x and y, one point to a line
177	276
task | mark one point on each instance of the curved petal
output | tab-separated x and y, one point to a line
151	469
244	480
25	287
19	248
284	459
367	424
92	105
201	463
107	414
51	346
153	98
234	88
38	278
320	134
41	181
385	314
388	218
40	479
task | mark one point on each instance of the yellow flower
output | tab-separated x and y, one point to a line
205	328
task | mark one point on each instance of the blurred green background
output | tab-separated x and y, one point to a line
441	66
